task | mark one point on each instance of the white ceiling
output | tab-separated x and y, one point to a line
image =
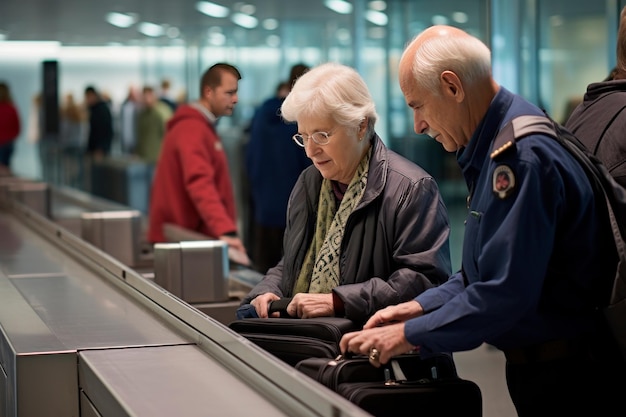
81	22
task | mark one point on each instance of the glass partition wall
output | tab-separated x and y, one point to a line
546	50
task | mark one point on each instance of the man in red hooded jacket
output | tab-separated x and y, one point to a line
9	125
192	186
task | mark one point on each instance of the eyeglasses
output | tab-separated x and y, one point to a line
321	138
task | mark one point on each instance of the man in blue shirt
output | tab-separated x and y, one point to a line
273	164
538	253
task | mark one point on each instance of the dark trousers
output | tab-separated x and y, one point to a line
6	152
582	383
267	247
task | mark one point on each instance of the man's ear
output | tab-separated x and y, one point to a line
451	86
206	91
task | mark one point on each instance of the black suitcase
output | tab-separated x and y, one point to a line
407	386
295	339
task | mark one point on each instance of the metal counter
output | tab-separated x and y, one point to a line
84	335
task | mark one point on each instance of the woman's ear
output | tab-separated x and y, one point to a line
363	126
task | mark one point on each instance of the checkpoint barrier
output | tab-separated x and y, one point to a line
33	194
114	232
194	271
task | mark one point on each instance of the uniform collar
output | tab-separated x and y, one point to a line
471	158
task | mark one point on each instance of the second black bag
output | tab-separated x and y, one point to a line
407	386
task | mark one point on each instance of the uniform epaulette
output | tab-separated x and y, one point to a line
505	140
519	128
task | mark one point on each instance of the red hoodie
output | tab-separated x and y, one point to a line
192	186
9	123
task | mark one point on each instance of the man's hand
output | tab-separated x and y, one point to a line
379	343
394	314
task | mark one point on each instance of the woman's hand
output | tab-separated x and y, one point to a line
306	306
261	304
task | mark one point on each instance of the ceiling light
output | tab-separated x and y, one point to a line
343	36
460	17
273	41
378	5
121	20
151	29
439	20
212	9
172	32
270	24
377	18
244	20
12	50
217	39
339	6
247	8
376	33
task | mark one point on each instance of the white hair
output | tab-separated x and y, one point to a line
333	90
466	56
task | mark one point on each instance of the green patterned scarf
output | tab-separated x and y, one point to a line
320	269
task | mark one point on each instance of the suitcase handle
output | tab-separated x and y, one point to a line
279	306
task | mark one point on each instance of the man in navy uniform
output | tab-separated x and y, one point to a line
538	252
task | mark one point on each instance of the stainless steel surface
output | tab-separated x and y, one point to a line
51	307
87	409
68	204
117	381
115	232
176	233
61	298
196	271
35	195
224	312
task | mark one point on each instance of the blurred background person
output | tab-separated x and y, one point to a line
151	123
100	134
272	167
166	95
600	120
9	127
72	140
128	120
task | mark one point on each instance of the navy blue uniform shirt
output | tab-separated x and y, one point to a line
536	245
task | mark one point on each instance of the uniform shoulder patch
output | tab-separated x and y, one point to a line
503	181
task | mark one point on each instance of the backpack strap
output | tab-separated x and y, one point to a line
603	185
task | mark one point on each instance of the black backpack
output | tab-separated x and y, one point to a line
604	185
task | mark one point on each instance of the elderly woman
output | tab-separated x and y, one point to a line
366	228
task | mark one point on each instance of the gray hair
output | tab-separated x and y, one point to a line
466	56
332	90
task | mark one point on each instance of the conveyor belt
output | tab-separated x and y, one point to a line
84	335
